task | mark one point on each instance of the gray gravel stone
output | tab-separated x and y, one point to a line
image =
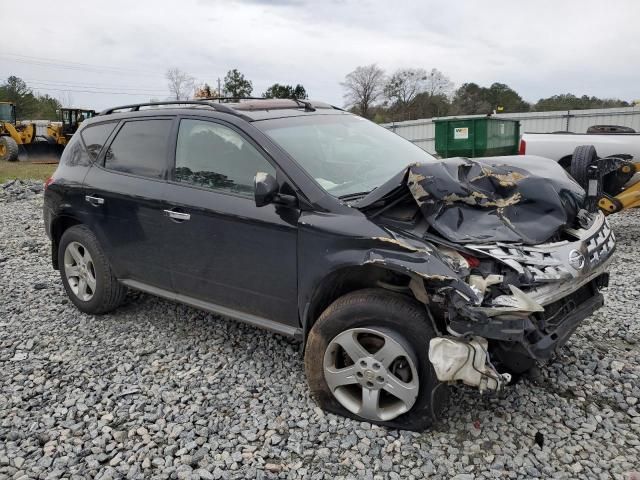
159	390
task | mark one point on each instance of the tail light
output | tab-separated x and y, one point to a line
48	182
523	147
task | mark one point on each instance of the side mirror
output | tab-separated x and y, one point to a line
265	188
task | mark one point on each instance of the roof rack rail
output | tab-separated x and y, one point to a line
218	99
308	106
135	107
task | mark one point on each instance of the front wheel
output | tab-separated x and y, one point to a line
367	358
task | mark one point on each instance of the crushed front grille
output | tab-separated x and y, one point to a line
601	245
557	261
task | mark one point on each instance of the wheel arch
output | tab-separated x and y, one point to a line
565	162
347	279
60	225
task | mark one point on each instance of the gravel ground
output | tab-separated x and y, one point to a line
160	390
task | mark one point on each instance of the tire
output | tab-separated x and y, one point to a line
366	314
8	149
108	293
583	157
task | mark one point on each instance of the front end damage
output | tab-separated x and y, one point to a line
528	299
525	263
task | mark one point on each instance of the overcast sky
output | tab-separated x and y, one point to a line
539	48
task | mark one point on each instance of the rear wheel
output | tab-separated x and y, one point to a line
367	358
8	149
86	273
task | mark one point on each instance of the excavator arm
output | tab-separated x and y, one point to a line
21	135
627	198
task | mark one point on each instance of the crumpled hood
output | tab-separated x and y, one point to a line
523	199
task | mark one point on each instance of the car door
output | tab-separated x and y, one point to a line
225	250
78	156
125	191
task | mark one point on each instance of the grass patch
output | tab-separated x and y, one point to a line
25	171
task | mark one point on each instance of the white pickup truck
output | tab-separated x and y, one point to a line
619	185
560	146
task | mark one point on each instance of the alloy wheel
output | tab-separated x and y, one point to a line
80	271
372	373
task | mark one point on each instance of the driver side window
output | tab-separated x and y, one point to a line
213	156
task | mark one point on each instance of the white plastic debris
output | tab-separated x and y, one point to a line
463	360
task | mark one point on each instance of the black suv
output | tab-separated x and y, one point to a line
399	272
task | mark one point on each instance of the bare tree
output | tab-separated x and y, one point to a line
66	99
405	84
181	84
363	87
437	83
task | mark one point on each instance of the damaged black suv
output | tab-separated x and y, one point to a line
399	272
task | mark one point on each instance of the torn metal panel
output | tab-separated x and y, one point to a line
404	245
507	199
430	269
522	199
418	290
481	284
414	182
489	248
518	301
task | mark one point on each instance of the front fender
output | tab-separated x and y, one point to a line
323	254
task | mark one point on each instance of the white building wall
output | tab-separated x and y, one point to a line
422	132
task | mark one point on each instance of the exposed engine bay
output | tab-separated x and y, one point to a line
528	259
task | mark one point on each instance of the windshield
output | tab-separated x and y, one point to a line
346	154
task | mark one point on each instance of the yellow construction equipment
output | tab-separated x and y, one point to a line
627	198
71	119
15	136
612	183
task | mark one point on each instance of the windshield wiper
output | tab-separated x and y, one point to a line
353	196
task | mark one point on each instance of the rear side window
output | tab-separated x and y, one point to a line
140	148
95	136
74	154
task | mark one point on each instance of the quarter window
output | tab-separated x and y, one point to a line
95	136
140	148
214	156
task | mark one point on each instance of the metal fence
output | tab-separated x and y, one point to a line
422	132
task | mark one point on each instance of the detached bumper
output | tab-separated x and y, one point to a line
539	335
544	347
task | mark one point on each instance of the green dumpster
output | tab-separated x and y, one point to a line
477	137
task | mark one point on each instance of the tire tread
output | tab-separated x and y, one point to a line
12	149
409	318
583	156
114	292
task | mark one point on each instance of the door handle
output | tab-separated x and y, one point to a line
95	201
181	216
